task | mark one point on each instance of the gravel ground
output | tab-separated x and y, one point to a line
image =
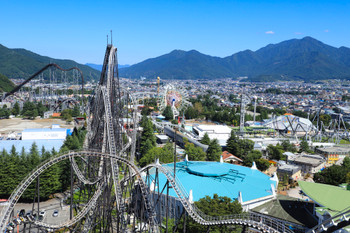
18	124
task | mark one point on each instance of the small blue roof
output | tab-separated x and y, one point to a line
224	179
27	144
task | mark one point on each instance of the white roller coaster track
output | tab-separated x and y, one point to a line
80	174
265	224
334	221
257	221
6	211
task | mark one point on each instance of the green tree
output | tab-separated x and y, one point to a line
262	164
191	113
76	111
275	152
41	109
333	175
193	152
287	146
205	140
346	163
252	156
215	206
214	151
232	144
164	154
146	111
29	110
147	140
168	113
15	110
304	146
66	114
4	112
50	178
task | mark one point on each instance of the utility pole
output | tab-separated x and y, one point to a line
175	134
241	122
255	98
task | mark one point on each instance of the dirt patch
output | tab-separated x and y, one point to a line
200	122
17	125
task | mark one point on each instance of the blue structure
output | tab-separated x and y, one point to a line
250	186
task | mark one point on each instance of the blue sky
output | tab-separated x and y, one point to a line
77	29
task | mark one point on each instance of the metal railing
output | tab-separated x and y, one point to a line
261	222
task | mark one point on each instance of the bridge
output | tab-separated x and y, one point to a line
115	195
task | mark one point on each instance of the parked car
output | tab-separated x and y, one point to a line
55	213
43	212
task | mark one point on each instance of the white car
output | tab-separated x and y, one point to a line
42	215
55	213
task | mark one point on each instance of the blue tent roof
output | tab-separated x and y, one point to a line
229	180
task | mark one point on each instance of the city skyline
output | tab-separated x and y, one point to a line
141	30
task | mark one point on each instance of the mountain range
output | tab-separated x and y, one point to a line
297	59
21	63
99	67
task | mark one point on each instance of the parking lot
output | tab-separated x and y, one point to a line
48	207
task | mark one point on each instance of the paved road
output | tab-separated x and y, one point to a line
48	206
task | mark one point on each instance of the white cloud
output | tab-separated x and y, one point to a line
270	32
298	33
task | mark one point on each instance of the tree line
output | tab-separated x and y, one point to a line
149	152
242	148
31	110
211	206
335	174
15	166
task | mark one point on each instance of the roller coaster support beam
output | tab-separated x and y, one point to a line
42	70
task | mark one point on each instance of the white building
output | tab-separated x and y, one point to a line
219	132
44	133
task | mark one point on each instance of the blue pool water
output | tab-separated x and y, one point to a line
224	179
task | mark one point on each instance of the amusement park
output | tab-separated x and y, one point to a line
151	156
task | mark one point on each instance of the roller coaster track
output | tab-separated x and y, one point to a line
90	205
6	211
251	219
257	221
80	175
334	223
39	72
111	143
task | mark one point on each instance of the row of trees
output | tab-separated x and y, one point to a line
195	153
149	152
244	149
211	206
15	166
335	174
276	152
31	110
205	107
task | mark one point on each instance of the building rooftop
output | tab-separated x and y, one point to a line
335	149
225	154
288	168
332	197
310	160
289	209
217	129
45	130
224	179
